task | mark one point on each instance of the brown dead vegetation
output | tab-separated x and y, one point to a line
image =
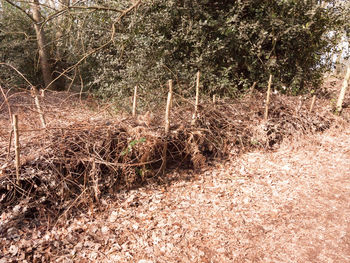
84	153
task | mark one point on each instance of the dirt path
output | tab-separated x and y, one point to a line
292	205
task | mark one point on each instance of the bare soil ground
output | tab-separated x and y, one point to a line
290	205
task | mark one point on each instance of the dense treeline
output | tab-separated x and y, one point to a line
110	46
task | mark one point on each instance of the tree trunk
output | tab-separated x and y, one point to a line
40	36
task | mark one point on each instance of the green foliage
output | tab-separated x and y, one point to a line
132	144
233	44
17	47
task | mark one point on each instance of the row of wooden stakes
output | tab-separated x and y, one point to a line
35	95
170	95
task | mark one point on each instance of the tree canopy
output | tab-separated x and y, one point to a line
110	46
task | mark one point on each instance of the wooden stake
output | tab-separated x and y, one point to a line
252	89
170	84
167	112
7	102
343	91
10	116
197	94
9	145
38	107
17	148
134	102
167	126
268	99
312	103
214	99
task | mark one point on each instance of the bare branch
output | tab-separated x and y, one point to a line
19	73
22	10
104	8
124	13
16	33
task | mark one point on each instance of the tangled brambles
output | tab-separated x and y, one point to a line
75	165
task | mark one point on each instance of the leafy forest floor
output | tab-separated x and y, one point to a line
286	204
291	205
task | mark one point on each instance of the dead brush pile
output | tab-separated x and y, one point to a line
74	165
